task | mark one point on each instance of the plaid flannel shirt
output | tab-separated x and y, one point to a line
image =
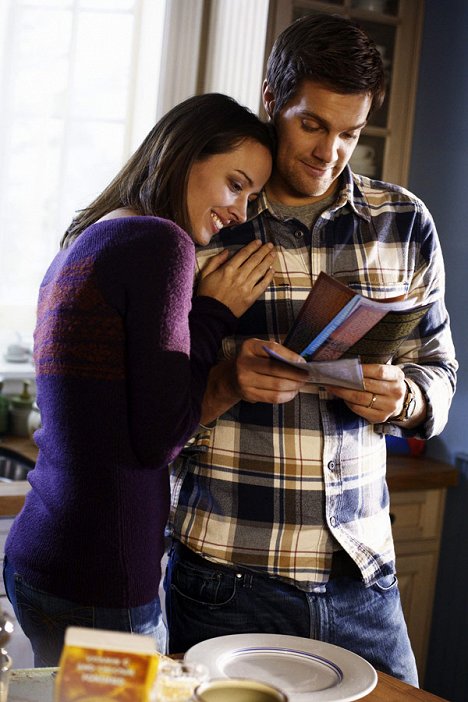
274	488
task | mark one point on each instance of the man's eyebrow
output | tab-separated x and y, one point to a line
243	173
321	120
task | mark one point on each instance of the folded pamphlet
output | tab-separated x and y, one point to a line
335	321
347	373
337	329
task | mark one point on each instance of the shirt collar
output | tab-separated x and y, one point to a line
350	194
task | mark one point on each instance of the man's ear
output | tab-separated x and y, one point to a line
268	99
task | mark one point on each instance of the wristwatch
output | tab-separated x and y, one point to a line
409	405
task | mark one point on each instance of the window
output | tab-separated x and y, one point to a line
81	84
78	89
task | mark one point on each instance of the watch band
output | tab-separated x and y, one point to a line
409	405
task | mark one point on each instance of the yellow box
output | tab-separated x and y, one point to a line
98	666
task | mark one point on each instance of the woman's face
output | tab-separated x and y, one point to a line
220	186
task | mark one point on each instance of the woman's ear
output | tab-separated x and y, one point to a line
268	99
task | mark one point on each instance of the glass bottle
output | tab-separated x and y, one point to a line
20	408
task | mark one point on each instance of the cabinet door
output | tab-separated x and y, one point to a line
396	27
417	515
416	573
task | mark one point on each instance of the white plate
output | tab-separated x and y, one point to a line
305	669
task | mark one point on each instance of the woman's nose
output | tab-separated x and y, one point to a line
238	212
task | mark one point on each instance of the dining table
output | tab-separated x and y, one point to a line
37	685
389	689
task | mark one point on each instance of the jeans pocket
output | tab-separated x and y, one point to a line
203	586
40	610
386	583
44	619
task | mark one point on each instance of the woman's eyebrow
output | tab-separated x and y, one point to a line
243	173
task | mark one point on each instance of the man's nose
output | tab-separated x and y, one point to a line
326	149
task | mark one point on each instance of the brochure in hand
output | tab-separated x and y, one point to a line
335	323
347	372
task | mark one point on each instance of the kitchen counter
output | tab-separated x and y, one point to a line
419	473
12	495
36	685
403	473
24	446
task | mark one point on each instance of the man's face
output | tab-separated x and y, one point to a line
317	130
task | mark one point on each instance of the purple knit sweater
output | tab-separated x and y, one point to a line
121	368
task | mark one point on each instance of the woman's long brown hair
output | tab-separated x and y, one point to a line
154	180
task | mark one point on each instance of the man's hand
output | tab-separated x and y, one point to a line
383	396
252	376
259	378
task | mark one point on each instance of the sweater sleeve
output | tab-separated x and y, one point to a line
166	372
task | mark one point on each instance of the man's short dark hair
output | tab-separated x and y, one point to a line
327	49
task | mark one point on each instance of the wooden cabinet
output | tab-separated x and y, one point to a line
417	524
418	488
396	27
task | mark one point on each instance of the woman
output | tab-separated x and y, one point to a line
122	358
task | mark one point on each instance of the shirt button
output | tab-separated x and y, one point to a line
331	465
298	234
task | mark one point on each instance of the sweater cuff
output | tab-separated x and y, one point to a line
202	304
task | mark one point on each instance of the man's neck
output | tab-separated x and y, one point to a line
289	199
307	214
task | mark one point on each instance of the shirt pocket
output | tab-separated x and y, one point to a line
383	291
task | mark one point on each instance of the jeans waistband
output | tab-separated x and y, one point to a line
342	563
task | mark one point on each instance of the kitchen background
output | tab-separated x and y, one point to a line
81	83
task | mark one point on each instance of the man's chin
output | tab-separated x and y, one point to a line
322	188
316	193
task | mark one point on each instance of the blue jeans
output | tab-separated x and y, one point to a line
44	618
204	600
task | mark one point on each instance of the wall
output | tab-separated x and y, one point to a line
438	176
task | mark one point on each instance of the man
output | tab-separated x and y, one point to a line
280	507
